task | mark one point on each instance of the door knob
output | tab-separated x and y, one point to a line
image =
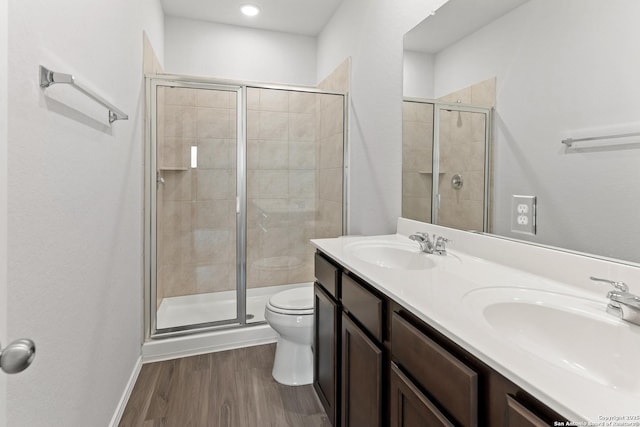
17	356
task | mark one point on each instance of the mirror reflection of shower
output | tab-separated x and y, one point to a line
445	162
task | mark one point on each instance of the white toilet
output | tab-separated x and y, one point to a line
290	314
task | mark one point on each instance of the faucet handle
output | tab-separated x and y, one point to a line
621	286
424	235
440	246
442	240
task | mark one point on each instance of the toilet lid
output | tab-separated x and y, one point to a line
293	299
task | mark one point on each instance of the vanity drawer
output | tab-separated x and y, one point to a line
409	407
519	415
447	380
327	275
363	305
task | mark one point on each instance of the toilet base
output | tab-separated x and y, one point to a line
293	364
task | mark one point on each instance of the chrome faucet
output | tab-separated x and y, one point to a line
437	245
425	242
622	303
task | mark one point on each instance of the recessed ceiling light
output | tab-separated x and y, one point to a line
250	9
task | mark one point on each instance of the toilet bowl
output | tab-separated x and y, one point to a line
290	314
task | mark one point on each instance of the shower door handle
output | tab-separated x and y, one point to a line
17	356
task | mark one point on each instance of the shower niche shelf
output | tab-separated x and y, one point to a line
431	172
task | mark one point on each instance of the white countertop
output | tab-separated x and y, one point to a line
435	295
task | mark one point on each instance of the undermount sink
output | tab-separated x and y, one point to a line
560	329
393	255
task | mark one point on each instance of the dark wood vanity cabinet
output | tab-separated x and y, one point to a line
348	353
362	354
510	406
457	388
325	351
376	364
326	337
518	415
364	306
450	383
408	406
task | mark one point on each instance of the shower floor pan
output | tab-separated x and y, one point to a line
216	306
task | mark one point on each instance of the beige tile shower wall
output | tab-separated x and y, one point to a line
417	152
281	182
462	151
330	149
196	229
294	178
150	62
294	187
482	94
339	79
330	152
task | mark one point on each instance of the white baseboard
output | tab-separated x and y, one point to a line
117	416
192	345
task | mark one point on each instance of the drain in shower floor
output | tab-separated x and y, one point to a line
250	316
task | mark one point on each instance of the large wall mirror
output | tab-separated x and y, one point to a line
561	81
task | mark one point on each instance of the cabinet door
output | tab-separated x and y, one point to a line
409	407
326	340
519	416
361	378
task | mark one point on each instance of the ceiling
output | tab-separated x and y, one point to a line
455	20
307	17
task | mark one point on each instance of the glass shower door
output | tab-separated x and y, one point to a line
462	159
195	216
295	145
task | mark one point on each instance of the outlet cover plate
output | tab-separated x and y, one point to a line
523	214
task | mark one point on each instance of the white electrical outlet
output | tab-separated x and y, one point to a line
523	214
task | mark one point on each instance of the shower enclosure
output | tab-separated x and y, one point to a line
241	177
446	171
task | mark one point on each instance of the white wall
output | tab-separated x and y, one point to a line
563	68
75	204
231	52
417	71
4	22
153	23
371	32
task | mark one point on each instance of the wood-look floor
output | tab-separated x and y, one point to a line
225	389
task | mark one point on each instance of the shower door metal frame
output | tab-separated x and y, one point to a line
152	81
151	172
435	170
